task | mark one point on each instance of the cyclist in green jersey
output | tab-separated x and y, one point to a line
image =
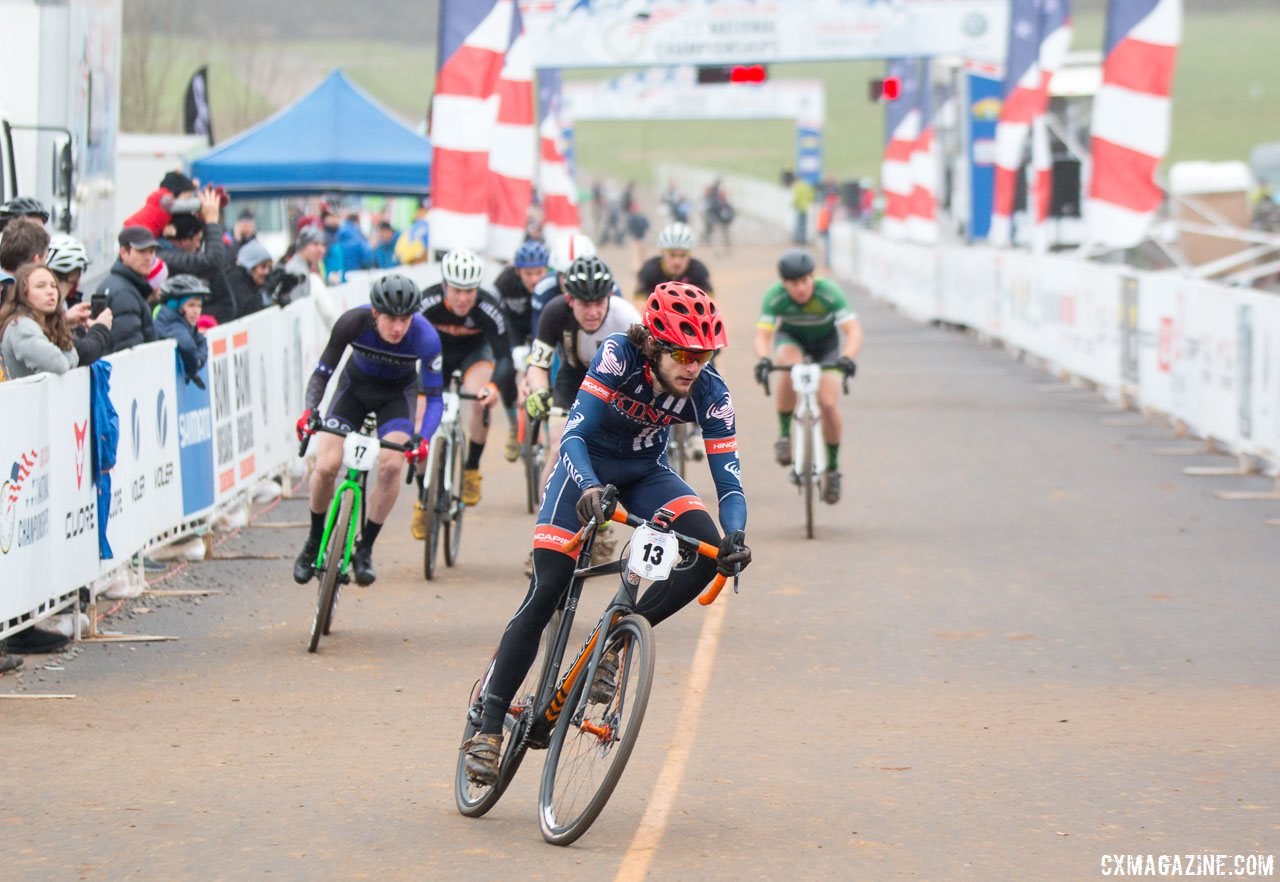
805	317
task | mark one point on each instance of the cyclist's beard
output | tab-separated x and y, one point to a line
665	385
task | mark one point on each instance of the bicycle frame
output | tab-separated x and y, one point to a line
353	483
805	379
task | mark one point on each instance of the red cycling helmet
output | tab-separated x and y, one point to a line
684	317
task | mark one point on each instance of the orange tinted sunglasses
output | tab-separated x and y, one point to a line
691	356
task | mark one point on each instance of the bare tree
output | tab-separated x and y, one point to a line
147	66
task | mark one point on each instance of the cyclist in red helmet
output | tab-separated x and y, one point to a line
638	385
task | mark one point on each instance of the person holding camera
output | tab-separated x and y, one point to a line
248	278
177	318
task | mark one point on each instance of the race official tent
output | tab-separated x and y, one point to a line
335	139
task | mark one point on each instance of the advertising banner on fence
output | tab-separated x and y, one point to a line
195	443
72	491
231	388
146	486
25	545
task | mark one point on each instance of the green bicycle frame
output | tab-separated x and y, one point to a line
350	484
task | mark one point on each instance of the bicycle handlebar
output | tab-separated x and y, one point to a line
775	368
341	433
706	549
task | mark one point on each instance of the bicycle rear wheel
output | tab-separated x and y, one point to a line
473	799
327	598
532	456
592	742
453	515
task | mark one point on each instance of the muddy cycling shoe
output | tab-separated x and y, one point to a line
418	524
362	565
471	479
484	755
782	451
511	452
305	566
605	683
605	545
831	487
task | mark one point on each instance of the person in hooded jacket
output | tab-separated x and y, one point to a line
197	248
128	290
177	319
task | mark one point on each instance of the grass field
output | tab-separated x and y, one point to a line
1226	99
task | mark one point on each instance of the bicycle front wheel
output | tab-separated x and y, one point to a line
456	508
675	449
473	799
807	469
529	457
592	741
432	509
327	599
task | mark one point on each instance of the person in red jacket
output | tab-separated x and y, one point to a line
176	194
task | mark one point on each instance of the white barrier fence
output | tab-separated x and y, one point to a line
1206	355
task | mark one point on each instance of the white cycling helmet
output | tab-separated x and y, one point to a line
462	268
676	236
66	254
569	249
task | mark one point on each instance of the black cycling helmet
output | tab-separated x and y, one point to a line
588	279
395	295
796	264
24	206
176	289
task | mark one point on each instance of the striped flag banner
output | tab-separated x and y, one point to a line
1039	37
909	171
1131	128
559	195
512	156
474	37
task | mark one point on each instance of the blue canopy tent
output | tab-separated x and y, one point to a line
335	139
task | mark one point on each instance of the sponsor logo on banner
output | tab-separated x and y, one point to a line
24	501
195	444
162	420
135	428
82	430
224	442
243	403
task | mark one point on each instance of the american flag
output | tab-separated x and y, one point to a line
559	195
1039	37
1131	119
512	154
474	38
909	170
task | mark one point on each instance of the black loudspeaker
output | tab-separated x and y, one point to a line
1064	193
851	197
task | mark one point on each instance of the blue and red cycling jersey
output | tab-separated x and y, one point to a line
618	418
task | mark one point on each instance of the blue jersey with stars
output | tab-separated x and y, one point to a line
618	415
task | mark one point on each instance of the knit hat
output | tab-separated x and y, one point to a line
159	272
252	253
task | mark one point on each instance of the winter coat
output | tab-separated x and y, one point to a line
127	294
247	295
94	343
193	348
211	263
26	351
159	209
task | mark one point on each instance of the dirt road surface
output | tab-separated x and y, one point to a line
1020	643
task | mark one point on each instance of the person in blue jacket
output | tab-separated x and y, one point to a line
177	317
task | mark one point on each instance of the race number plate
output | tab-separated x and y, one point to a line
653	554
359	452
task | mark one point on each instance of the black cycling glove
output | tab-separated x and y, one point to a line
763	366
847	365
734	554
589	506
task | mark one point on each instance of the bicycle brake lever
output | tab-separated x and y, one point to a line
737	569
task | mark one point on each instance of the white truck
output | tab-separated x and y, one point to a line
60	115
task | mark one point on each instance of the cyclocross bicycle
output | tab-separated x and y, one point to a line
345	517
440	491
588	741
533	454
807	453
